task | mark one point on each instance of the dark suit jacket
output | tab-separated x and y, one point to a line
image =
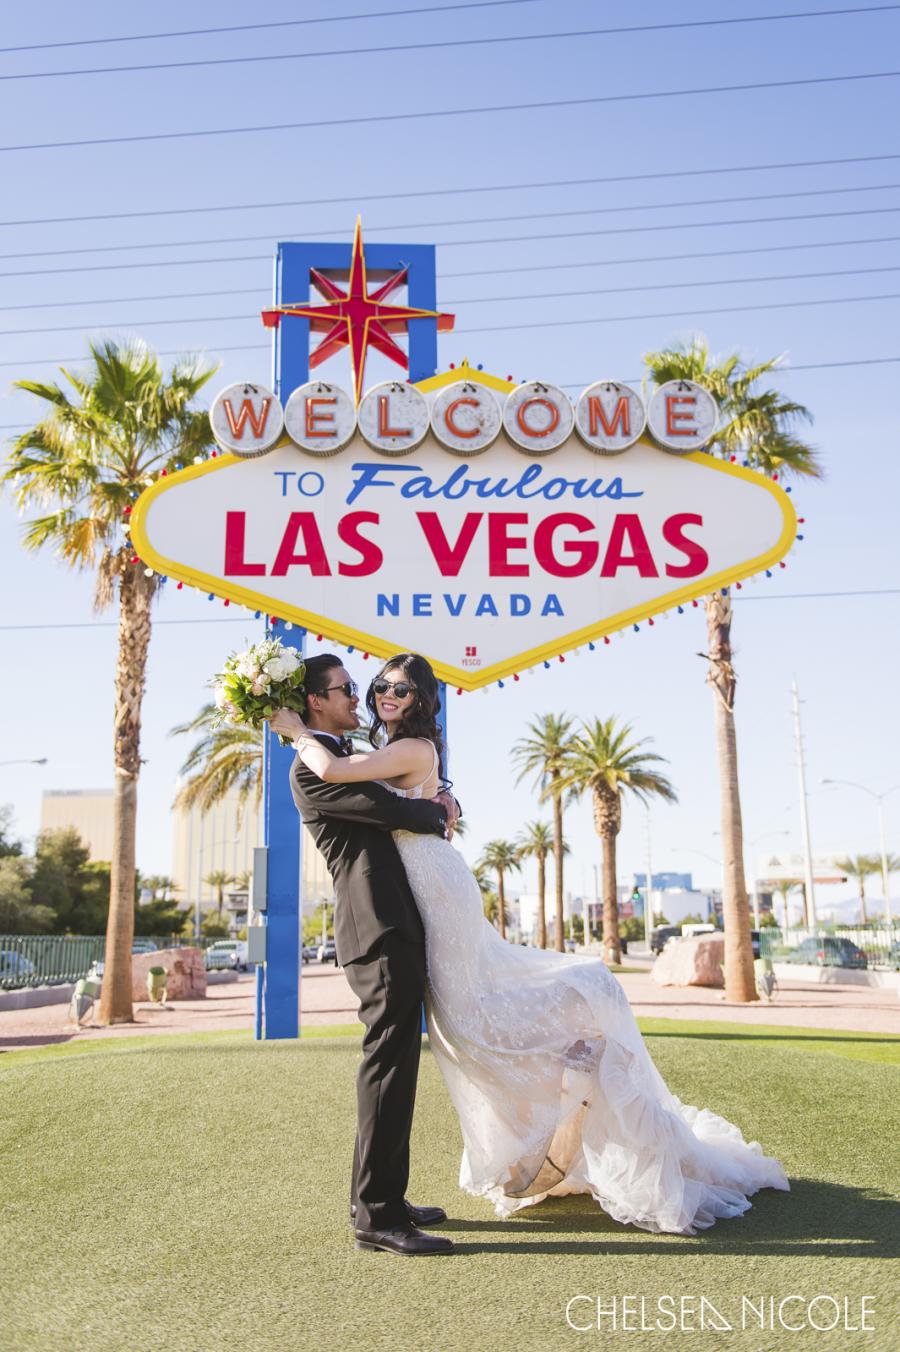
351	825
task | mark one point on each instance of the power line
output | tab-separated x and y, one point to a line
479	272
357	198
249	619
462	300
514	218
257	27
674	314
496	239
422	114
446	43
449	300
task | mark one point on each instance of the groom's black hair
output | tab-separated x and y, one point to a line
317	669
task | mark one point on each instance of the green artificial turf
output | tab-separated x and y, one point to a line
189	1194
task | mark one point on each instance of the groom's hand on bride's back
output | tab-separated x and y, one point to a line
452	809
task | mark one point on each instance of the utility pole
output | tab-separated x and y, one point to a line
804	807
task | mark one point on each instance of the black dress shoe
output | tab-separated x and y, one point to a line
419	1215
408	1241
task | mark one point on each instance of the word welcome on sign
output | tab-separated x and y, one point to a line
465	418
486	565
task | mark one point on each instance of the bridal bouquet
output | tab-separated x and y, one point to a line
256	682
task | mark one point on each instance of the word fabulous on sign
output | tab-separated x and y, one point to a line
486	563
465	418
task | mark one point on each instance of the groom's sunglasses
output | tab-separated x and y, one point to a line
400	688
350	689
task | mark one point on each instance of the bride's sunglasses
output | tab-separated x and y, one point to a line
400	688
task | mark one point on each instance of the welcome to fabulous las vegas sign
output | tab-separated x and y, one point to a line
485	524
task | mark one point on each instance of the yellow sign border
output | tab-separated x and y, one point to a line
463	679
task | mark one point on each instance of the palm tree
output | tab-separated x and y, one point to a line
219	879
756	426
502	857
226	757
860	866
536	842
160	886
785	886
543	755
604	761
98	444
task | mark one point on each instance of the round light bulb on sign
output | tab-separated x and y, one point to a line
538	418
393	418
246	419
320	418
609	417
682	416
465	418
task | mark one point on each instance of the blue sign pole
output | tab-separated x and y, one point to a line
278	981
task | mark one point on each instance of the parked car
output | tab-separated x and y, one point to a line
227	954
661	936
14	965
828	950
327	952
309	952
138	946
754	936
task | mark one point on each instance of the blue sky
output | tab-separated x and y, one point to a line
124	274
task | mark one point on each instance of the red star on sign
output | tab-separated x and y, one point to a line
357	318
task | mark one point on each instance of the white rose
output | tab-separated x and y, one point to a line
291	660
276	668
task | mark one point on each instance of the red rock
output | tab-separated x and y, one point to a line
691	962
184	966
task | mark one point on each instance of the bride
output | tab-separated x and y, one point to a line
554	1088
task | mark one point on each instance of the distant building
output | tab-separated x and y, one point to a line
222	840
87	811
662	881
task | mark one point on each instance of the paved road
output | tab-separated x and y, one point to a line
326	998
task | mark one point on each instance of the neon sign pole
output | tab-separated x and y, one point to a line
344	318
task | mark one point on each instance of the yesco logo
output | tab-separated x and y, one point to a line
465	418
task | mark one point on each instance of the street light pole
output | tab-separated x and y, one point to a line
648	890
804	809
879	799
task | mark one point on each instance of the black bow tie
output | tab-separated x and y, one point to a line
345	746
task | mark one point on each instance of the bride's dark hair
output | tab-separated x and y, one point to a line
420	719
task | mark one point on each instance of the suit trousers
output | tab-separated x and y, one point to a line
390	984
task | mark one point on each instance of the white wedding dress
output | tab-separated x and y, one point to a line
554	1088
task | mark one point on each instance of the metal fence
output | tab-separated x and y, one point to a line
852	946
53	959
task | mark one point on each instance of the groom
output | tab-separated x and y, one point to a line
381	946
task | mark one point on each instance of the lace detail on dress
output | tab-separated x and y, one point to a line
548	1072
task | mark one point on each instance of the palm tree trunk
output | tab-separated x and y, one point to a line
501	903
740	983
135	594
612	951
862	902
558	937
542	901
